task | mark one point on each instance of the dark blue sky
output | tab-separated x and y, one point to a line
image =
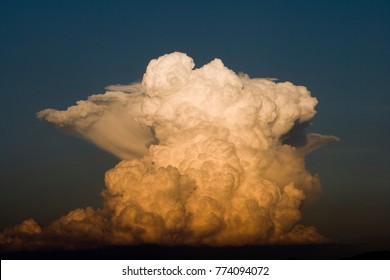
53	53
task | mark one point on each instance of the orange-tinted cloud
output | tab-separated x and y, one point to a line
204	161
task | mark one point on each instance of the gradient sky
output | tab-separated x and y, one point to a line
53	53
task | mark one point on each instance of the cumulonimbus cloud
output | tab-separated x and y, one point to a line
204	161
